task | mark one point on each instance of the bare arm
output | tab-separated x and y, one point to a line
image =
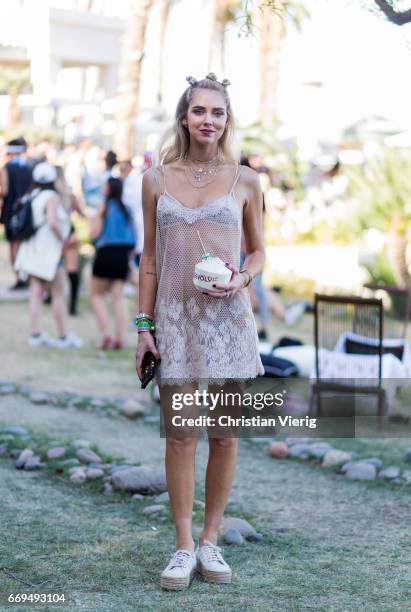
4	184
96	223
253	223
147	271
51	216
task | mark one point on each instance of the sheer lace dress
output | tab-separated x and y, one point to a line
201	337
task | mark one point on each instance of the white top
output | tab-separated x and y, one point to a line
40	255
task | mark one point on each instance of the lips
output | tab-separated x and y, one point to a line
207	132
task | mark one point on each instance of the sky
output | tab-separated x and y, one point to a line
360	60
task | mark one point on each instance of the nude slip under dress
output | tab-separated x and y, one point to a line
199	337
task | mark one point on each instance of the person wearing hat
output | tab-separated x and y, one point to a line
15	181
40	258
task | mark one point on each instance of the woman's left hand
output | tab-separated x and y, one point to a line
235	284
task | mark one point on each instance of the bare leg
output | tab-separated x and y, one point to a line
35	304
220	470
180	464
57	302
14	247
99	287
119	309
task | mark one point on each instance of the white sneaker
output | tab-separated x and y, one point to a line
294	313
211	564
179	571
42	339
70	341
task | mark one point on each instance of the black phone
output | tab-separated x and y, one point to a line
148	368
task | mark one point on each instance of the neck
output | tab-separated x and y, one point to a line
202	153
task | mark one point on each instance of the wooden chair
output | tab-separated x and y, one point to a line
335	316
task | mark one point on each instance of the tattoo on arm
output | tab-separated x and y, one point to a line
151	273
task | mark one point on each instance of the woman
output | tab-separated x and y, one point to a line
112	228
41	258
198	192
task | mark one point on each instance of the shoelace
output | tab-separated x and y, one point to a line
179	559
212	553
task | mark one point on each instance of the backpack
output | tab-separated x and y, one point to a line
21	226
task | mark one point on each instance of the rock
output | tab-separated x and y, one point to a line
70	462
406	474
163	497
15	431
108	489
94	473
23	457
345	467
79	443
241	525
299	451
38	397
3	449
318	450
140	480
408	455
97	403
278	450
77	475
33	463
233	536
123	466
154	509
138	496
7	389
389	472
334	458
56	452
86	455
361	471
255	537
132	408
293	440
373	461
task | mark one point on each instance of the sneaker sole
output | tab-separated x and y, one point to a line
177	584
217	577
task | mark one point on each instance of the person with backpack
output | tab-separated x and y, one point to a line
40	257
114	234
15	181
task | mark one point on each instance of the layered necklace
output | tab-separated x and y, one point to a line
200	173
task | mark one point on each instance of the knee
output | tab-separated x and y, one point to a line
181	445
223	445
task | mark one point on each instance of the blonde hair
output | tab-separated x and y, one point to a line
179	134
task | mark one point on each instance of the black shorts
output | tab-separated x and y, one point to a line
111	262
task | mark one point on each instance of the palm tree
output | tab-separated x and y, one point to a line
164	17
13	82
224	13
130	74
382	196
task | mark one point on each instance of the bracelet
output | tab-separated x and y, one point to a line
250	276
143	315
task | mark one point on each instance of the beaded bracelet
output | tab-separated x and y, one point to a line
144	323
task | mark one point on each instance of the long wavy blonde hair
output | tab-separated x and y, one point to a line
179	135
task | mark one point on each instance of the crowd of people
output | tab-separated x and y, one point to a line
62	186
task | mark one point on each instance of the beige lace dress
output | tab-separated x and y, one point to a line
201	338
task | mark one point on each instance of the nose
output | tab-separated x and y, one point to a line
207	120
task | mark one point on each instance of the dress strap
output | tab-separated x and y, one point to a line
236	177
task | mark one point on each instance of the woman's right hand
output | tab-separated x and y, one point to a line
145	343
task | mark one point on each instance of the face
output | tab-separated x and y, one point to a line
206	116
125	169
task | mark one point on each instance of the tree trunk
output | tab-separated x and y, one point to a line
214	28
164	14
13	115
130	72
398	251
271	29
